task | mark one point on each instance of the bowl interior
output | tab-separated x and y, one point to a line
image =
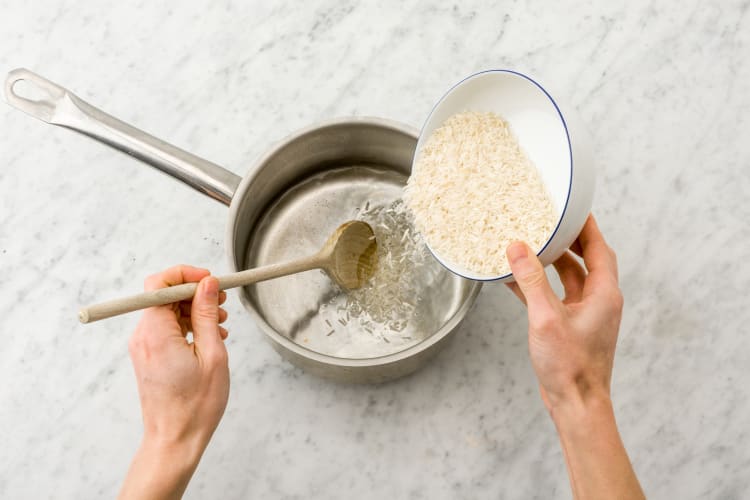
535	119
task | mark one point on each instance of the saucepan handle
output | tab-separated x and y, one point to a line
61	107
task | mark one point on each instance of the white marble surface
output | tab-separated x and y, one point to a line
664	87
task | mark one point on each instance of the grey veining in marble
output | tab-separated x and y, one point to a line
664	87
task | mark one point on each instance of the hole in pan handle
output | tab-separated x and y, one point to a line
43	108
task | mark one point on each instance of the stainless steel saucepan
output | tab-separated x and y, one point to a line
294	195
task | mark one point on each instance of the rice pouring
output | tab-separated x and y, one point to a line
473	191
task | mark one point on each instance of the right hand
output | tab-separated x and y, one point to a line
571	341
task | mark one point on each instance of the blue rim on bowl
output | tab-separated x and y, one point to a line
570	153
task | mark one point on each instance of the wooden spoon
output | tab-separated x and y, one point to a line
349	257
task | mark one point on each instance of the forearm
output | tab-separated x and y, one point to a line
160	471
598	465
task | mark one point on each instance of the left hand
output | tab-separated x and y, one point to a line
183	386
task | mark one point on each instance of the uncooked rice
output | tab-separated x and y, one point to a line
387	302
473	191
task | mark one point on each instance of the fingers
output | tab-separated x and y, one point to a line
175	276
513	286
187	326
572	276
529	275
599	258
576	248
186	309
596	254
165	315
204	317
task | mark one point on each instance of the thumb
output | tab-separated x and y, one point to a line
204	315
529	274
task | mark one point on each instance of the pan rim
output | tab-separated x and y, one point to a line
285	342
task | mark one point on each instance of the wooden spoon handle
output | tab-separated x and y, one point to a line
135	302
186	291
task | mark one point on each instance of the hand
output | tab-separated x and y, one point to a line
572	348
183	386
571	342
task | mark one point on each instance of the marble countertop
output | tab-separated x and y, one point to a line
664	89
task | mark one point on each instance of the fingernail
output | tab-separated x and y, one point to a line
516	252
211	288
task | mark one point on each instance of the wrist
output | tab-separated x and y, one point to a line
161	468
181	453
174	461
598	465
580	415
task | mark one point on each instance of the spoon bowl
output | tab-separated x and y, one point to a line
351	254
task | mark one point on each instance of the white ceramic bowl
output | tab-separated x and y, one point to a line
554	140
